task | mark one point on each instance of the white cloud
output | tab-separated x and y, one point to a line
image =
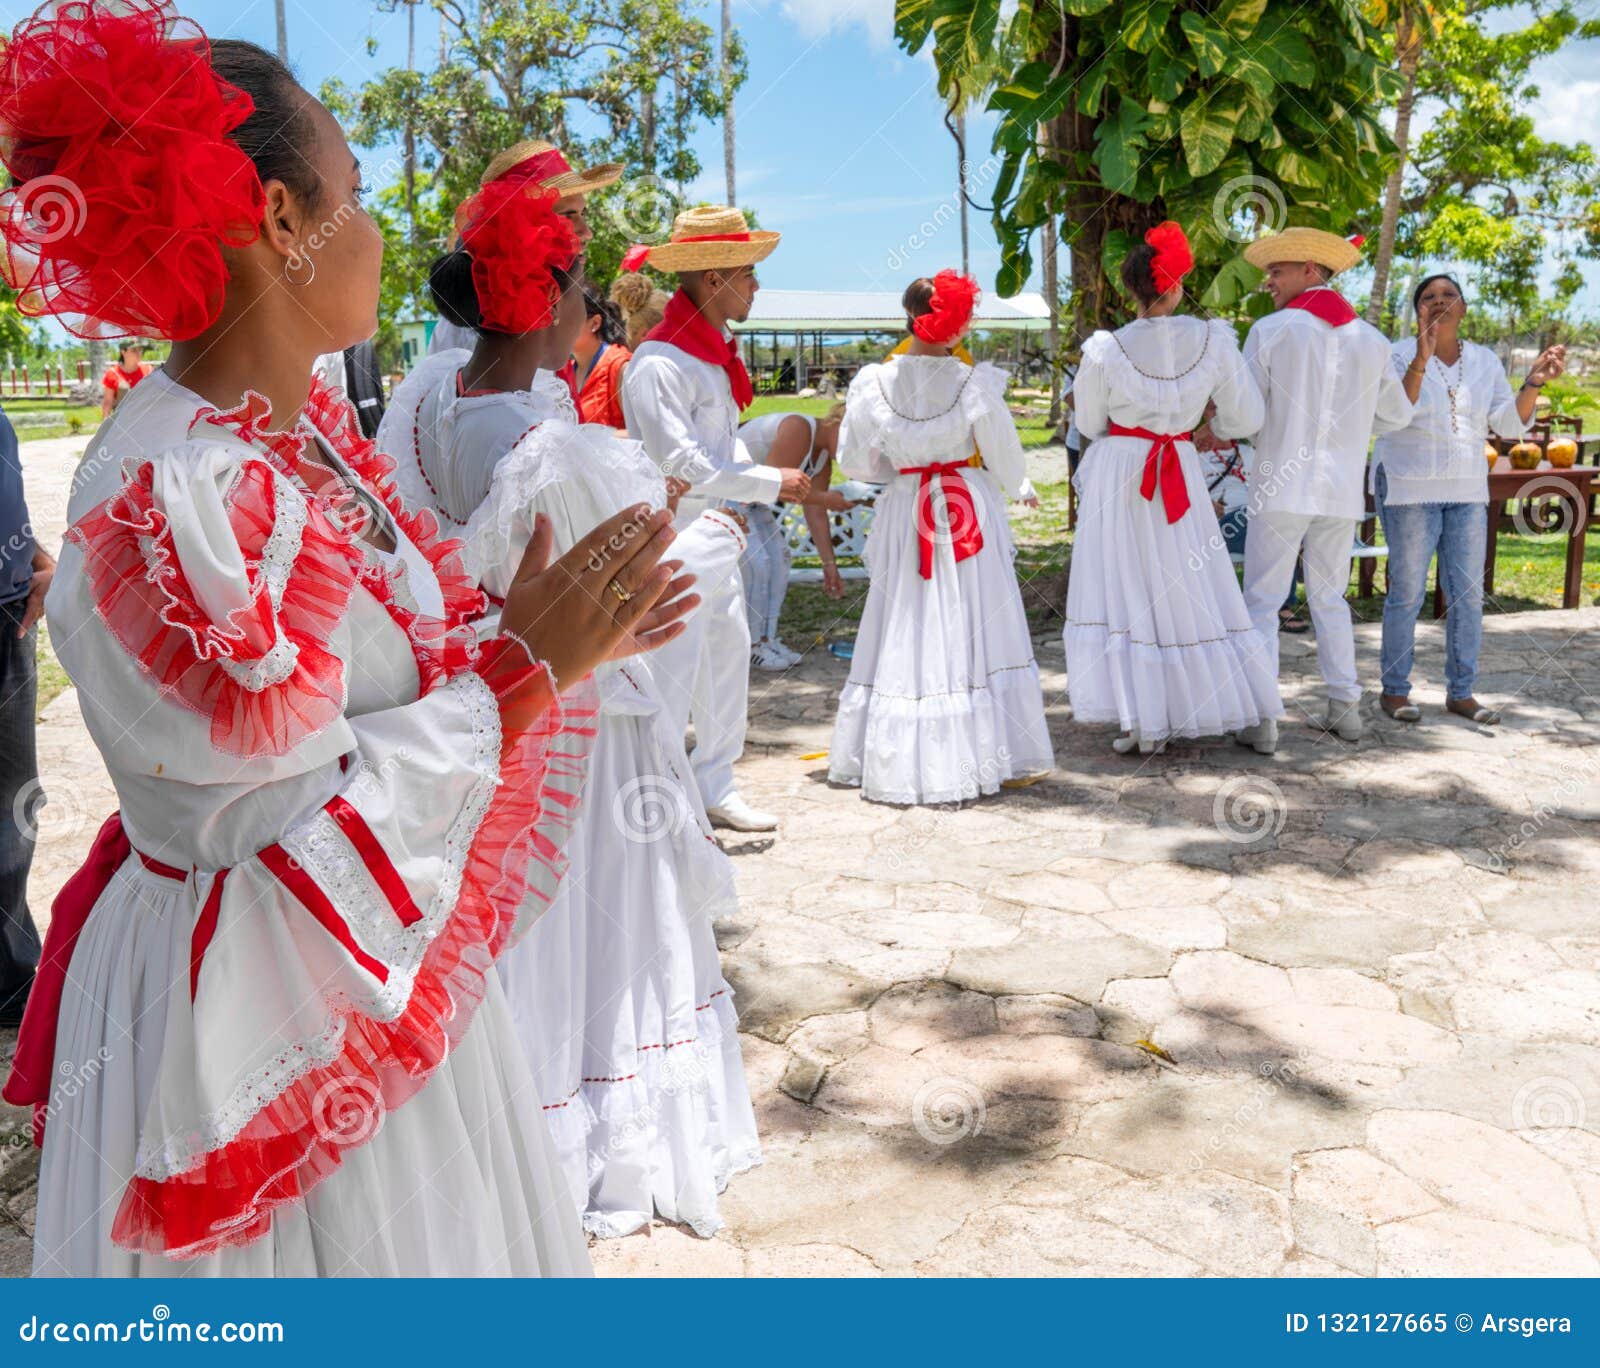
818	18
1564	111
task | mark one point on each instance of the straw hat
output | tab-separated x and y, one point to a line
551	168
705	239
1305	244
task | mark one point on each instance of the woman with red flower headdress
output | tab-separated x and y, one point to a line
618	994
1157	637
943	700
266	1036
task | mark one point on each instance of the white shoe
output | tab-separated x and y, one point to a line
792	656
737	814
1261	738
764	656
1343	719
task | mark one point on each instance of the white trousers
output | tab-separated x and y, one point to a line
1271	543
704	674
765	567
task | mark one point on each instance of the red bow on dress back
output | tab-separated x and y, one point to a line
684	326
960	514
1161	466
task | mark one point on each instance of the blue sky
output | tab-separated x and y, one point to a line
841	143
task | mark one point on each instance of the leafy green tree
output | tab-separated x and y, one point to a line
1226	115
606	80
1483	187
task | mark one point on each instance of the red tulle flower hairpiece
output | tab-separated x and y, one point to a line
127	185
955	296
516	240
1174	258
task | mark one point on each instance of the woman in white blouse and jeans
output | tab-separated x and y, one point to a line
1431	484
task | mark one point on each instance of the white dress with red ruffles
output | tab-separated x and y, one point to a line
618	995
281	1047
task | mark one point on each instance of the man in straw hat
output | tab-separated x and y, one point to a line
682	394
535	160
1328	386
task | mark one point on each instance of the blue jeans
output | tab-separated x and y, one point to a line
1233	525
1458	532
20	799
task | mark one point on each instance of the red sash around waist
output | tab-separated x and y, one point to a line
960	514
1162	467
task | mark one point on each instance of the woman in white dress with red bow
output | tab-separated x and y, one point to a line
1157	638
943	701
618	993
266	1036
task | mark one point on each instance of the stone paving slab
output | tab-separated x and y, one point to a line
1334	1012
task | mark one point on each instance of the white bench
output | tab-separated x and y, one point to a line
848	531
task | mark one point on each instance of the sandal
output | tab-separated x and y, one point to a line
1400	708
1484	717
1291	624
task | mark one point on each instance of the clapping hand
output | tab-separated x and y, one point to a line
1552	363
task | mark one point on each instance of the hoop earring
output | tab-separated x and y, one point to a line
298	260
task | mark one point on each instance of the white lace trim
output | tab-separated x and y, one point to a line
269	670
160	1158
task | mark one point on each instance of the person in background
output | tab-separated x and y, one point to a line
1224	464
642	304
362	383
120	379
25	571
790	441
600	356
1431	484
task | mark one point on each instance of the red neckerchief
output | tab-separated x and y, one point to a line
686	327
1328	305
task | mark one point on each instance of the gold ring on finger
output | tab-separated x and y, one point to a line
616	588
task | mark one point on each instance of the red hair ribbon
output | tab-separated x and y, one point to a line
127	183
950	308
1174	258
516	241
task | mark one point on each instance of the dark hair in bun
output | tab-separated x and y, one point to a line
918	298
450	282
1138	276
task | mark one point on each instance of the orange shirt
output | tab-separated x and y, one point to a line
116	378
600	399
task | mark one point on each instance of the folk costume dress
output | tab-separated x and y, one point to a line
943	700
618	995
1157	637
267	1020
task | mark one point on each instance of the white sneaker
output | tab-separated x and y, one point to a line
1343	719
793	656
765	656
737	814
1261	738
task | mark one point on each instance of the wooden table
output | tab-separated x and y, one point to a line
1552	499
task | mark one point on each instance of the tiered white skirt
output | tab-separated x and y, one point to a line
1157	637
460	1181
943	701
620	1003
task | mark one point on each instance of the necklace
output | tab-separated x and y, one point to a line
932	417
1204	347
1452	388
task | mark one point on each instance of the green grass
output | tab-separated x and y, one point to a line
49	417
52	679
1528	576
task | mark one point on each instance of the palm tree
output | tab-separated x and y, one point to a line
283	34
1415	21
727	97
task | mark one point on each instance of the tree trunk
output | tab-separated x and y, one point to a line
1052	283
960	121
283	33
98	362
727	99
1410	45
411	132
647	129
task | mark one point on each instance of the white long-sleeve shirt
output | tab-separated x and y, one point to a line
1327	391
682	409
1439	457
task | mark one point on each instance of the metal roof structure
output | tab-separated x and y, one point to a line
847	311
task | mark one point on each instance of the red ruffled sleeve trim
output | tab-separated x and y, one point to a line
263	677
301	1136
